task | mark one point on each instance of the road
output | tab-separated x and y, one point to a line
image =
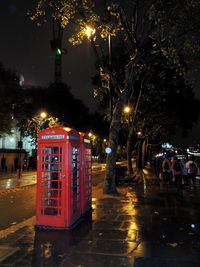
17	205
18	196
17	200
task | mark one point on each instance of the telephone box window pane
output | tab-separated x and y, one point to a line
54	167
46	175
51	202
50	176
54	175
51	158
52	150
51	167
52	193
51	184
75	168
51	211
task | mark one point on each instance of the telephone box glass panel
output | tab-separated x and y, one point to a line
51	182
75	178
88	173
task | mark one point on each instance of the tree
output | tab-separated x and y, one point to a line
144	27
11	100
31	127
163	95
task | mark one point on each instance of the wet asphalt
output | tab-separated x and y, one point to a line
146	224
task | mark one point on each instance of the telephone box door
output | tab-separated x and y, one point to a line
86	174
51	191
75	182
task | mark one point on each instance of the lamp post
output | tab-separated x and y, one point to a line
127	111
109	83
20	146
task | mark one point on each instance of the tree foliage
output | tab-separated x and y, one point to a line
11	99
31	127
148	29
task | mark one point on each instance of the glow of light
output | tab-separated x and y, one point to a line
139	133
193	225
67	129
90	134
89	31
43	115
145	171
159	155
58	52
108	150
127	109
104	140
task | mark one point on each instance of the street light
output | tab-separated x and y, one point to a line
127	109
43	115
90	134
89	31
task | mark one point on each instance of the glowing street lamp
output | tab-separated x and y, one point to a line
43	115
89	31
90	134
127	109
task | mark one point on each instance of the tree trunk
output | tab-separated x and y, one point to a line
139	155
145	152
109	182
129	150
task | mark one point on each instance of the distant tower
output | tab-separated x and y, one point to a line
56	46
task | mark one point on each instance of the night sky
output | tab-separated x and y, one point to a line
25	48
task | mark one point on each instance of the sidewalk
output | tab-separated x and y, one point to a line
145	225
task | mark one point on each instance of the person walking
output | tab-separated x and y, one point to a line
177	170
166	169
185	173
192	171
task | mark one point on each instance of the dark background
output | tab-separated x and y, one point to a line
25	48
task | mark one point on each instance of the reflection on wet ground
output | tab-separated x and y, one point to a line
13	181
158	226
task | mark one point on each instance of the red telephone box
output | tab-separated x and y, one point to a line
58	178
85	173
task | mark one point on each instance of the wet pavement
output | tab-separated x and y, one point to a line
146	224
11	180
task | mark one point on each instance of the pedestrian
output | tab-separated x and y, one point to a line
166	169
185	173
192	171
177	169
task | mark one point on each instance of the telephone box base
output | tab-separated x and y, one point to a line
51	228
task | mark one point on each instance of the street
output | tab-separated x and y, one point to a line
18	200
17	205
